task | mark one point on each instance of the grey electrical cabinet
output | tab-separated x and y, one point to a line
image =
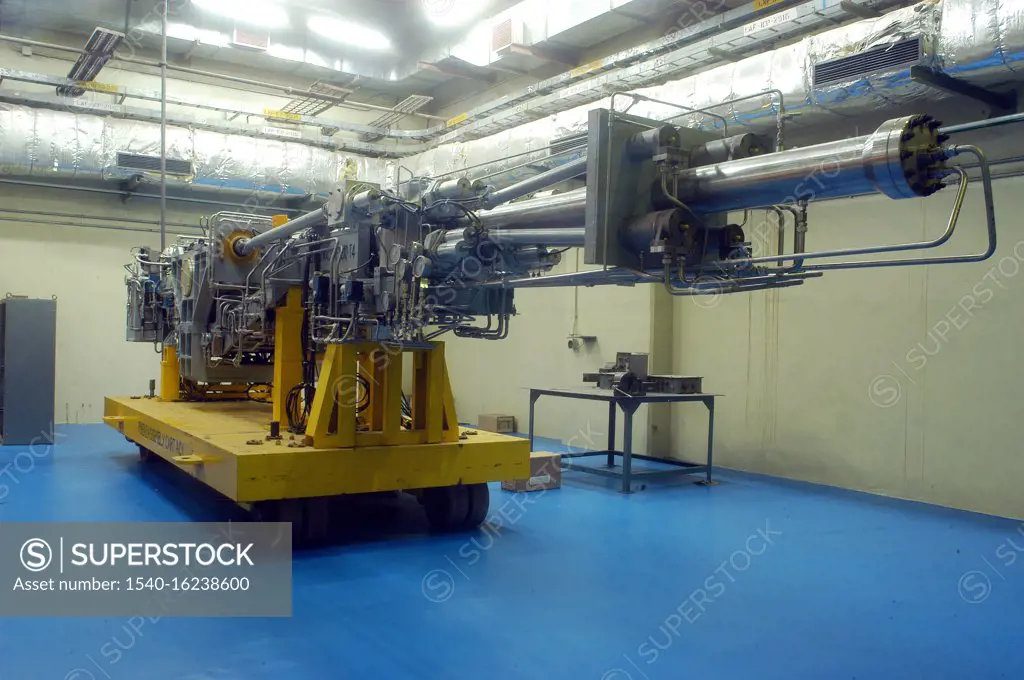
28	340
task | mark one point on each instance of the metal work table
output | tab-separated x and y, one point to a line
629	405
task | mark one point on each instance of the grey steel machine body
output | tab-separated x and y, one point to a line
445	255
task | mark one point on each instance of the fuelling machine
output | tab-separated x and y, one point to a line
289	345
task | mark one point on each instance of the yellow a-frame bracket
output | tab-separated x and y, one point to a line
345	415
287	352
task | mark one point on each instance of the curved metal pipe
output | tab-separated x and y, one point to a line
870	250
990	220
244	247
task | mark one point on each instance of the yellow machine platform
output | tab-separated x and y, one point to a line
225	445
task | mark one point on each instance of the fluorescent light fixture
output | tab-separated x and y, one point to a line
260	13
449	13
348	33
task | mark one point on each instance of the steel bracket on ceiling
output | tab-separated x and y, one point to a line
862	11
999	102
130	186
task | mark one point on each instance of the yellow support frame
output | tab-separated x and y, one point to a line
344	415
355	441
170	375
224	446
287	352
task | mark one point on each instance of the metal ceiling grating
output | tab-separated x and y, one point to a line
410	104
99	48
312	105
134	161
876	60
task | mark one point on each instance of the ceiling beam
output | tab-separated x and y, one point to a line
564	57
457	71
723	55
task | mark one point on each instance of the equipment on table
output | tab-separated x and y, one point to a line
629	375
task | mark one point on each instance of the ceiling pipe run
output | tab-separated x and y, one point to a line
292	91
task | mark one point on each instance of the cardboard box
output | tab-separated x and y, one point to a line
496	422
545	474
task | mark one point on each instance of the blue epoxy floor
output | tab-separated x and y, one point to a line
754	578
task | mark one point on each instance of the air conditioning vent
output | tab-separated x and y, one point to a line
564	144
505	34
904	53
134	161
254	39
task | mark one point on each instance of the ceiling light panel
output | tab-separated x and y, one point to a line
260	13
449	13
349	33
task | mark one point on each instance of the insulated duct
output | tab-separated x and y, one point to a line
979	41
49	145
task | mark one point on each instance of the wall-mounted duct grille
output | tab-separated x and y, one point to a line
134	161
563	144
254	39
903	53
501	35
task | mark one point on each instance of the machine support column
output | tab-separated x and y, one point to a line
611	433
710	403
287	352
170	380
629	407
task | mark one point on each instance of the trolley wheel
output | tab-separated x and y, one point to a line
309	517
479	504
264	511
146	455
447	507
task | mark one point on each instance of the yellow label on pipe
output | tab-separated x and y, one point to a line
764	4
461	118
587	68
274	113
97	87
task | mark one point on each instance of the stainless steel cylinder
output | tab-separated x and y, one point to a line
561	210
902	159
537	182
452	189
572	236
368	201
724	150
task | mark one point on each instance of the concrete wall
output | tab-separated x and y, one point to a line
84	269
901	382
493	377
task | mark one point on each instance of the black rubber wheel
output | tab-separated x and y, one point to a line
309	517
447	507
479	504
265	511
316	520
147	456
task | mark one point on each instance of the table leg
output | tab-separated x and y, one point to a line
628	409
611	433
710	403
533	401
